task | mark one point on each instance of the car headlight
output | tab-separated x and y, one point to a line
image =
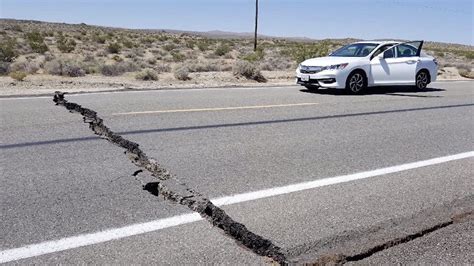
335	67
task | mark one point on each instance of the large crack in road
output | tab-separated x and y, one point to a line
349	247
170	187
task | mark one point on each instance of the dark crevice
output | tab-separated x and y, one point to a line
335	258
395	242
170	188
255	123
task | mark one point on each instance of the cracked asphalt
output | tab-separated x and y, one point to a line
59	180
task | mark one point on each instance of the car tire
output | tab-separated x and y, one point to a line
356	82
312	87
422	80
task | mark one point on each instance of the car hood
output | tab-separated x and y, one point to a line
330	60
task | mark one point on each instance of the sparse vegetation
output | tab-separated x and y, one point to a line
36	42
8	50
18	75
254	56
66	45
301	52
78	50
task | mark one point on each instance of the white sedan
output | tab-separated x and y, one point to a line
359	65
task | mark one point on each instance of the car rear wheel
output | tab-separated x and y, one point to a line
422	80
356	82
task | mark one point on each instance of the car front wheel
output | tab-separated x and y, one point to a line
356	82
422	80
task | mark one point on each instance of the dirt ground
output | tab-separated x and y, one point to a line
48	84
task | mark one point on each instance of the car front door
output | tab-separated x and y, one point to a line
397	65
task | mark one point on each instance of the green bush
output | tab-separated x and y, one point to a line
301	52
18	75
99	38
254	56
177	56
36	42
114	48
8	50
66	45
222	49
128	44
203	45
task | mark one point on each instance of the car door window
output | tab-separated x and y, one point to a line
382	49
390	53
406	50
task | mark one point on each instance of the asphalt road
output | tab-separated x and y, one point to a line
60	181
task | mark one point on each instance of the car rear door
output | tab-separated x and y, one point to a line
398	65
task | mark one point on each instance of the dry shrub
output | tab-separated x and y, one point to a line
67	68
48	56
18	75
203	67
248	70
276	63
177	56
181	73
162	68
4	66
66	45
147	74
118	68
466	73
24	65
117	58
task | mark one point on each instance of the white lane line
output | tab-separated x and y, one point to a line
141	228
215	109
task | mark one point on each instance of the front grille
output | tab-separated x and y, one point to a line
310	69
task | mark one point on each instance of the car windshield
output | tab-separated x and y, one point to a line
355	50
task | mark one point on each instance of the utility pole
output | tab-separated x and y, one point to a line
256	24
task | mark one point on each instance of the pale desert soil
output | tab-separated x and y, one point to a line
48	84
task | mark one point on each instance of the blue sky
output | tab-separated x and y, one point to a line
436	20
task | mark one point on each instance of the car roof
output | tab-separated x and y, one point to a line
379	42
